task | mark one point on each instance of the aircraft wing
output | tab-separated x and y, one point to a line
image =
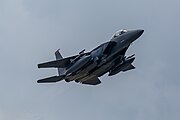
62	63
92	81
130	67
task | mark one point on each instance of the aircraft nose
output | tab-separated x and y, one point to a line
135	34
140	32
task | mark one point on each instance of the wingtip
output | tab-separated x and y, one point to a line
38	66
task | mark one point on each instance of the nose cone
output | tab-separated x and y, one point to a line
139	32
134	34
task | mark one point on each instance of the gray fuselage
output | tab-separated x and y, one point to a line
97	63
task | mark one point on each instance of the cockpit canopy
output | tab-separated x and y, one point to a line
118	33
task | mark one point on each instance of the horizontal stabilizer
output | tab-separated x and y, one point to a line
92	81
61	63
130	67
51	79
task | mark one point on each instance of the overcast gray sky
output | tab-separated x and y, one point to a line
31	30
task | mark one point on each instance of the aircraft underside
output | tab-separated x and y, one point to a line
86	67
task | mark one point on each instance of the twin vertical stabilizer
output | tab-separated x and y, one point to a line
58	55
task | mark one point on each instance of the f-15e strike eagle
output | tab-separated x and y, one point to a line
86	67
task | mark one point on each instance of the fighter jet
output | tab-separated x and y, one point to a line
86	67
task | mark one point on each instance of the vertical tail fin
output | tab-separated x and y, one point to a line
58	57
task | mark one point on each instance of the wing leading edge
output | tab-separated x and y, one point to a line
130	67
